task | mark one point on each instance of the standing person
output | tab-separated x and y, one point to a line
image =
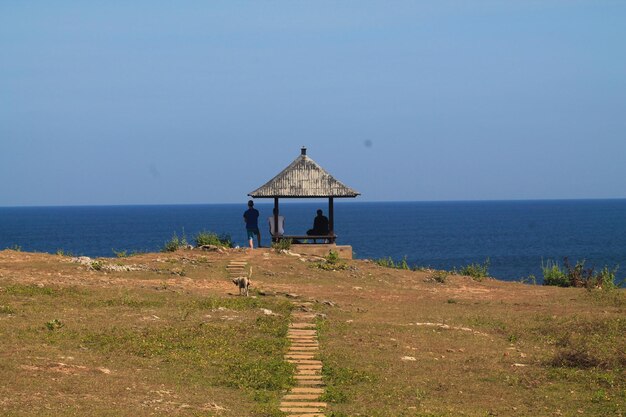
251	217
320	225
281	224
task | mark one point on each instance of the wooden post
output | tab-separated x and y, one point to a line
275	239
331	218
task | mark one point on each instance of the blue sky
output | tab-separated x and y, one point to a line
112	102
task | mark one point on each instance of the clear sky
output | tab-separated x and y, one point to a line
149	102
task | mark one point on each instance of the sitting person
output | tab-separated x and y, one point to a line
281	224
320	225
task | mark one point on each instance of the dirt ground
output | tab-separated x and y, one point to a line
394	342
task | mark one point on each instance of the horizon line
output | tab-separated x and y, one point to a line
305	200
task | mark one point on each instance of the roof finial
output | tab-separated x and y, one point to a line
303	151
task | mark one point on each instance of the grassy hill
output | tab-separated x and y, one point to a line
166	334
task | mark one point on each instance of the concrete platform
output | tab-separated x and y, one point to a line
319	249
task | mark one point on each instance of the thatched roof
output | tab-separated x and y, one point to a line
303	178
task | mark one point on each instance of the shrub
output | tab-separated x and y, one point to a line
332	257
175	243
121	253
210	238
54	324
389	263
283	244
440	276
332	262
385	262
553	274
577	275
476	271
530	279
97	265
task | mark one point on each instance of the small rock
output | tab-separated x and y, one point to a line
408	358
268	312
291	295
329	303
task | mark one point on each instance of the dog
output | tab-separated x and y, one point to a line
243	283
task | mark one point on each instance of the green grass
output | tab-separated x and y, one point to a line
30	290
5	309
199	347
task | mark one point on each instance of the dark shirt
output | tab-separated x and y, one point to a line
320	225
252	219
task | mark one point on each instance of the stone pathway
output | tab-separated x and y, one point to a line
237	269
303	399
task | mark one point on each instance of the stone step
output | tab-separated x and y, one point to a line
303	316
302	326
303	348
297	390
301	372
300	355
305	362
317	377
301	397
307	415
302	331
300	410
308	366
303	404
310	383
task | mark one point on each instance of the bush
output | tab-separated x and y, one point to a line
175	243
440	276
97	265
332	257
578	276
553	274
121	253
54	324
385	262
389	263
332	262
283	244
476	271
210	238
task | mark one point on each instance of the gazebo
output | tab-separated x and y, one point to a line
304	178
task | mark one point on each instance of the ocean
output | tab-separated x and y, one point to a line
516	236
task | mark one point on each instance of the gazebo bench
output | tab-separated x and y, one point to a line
301	238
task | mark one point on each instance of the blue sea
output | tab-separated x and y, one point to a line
516	236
